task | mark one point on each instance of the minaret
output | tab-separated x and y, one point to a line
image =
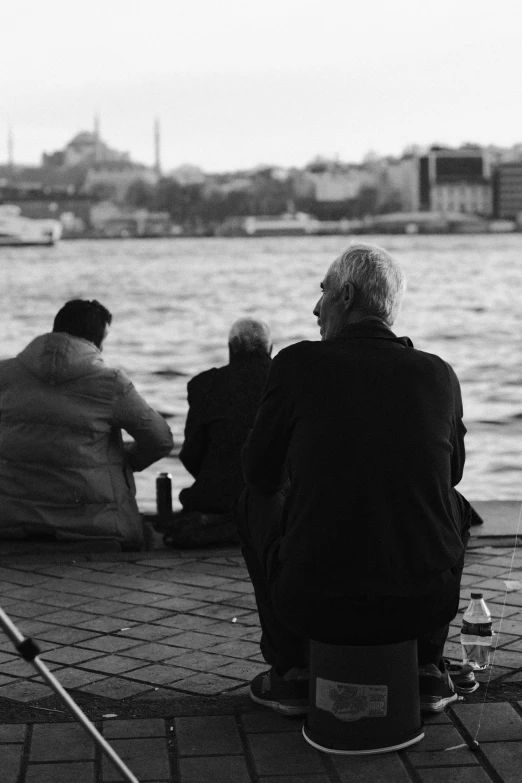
10	157
157	151
97	148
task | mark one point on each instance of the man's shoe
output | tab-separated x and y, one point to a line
462	676
436	689
286	694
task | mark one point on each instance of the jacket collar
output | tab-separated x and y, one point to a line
372	329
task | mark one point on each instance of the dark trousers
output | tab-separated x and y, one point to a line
291	612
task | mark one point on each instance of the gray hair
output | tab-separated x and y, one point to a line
249	336
376	277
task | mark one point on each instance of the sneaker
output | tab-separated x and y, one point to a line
286	694
462	676
436	689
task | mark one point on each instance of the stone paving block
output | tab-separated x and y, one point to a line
106	624
437	737
138	727
508	659
186	622
76	678
442	758
506	759
25	609
65	635
21	668
215	735
51	598
383	768
252	618
242	670
498	722
60	742
12	732
151	652
60	773
283	753
20	577
194	578
179	604
199	660
235	649
192	640
158	674
214	769
295	779
498	610
112	664
66	617
10	760
147	758
143	614
24	691
206	683
266	722
455	775
484	569
138	598
109	644
513	599
115	688
221	611
213	595
70	655
147	633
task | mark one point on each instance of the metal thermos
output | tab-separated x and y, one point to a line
164	495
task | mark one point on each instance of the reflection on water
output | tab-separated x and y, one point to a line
173	302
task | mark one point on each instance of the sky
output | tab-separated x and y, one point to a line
237	83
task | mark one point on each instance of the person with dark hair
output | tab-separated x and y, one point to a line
82	318
64	469
222	406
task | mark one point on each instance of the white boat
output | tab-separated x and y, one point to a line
298	223
18	230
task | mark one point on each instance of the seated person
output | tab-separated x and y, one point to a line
222	406
64	470
365	546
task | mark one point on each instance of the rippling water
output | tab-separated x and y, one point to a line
173	301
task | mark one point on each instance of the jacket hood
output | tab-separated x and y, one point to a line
58	357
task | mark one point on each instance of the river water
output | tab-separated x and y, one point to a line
173	301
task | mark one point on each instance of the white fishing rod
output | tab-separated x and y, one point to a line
29	651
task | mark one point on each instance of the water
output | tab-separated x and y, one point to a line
173	301
476	655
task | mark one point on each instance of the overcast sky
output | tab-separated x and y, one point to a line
237	83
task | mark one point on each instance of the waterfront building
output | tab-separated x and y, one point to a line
456	181
508	192
336	182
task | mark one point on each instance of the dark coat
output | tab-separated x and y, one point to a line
370	431
222	406
64	469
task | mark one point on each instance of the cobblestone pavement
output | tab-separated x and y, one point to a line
153	632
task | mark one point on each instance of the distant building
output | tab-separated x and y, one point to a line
336	182
456	181
403	179
86	148
508	192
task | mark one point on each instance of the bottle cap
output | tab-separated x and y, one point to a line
477	595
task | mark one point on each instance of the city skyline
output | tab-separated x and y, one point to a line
237	85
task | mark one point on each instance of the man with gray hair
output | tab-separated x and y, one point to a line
365	545
222	406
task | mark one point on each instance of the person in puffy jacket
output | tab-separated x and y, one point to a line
64	469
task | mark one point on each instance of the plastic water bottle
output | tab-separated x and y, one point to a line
476	634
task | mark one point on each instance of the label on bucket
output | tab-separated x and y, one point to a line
350	701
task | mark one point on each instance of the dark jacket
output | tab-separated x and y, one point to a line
222	406
370	431
63	466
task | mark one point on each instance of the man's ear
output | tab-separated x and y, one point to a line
348	296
